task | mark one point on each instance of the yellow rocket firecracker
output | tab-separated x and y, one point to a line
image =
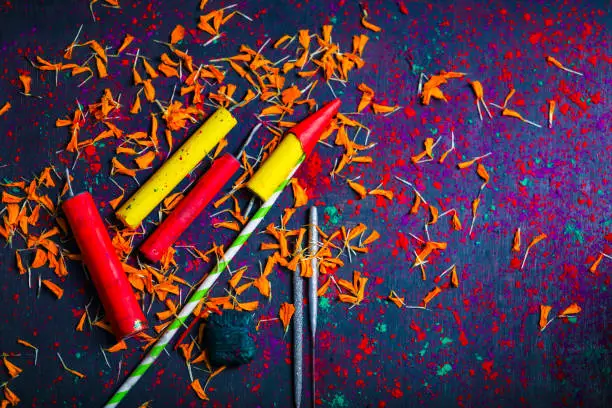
299	142
176	168
276	168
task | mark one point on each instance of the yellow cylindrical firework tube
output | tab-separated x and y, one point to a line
275	169
181	163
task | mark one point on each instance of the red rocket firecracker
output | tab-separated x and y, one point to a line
114	290
298	142
188	209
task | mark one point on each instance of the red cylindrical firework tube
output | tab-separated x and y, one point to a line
190	207
114	290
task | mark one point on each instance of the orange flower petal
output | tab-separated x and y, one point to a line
454	277
482	172
299	194
544	312
40	259
509	96
369	25
571	310
432	294
248	306
12	369
5	108
149	69
516	243
385	193
477	88
11	397
236	277
126	42
537	239
26	82
378	108
281	41
97	48
475	204
117	347
285	313
595	264
434	215
177	34
398	301
323	288
417	203
101	66
371	238
136	107
512	114
466	164
347	298
57	291
358	188
81	322
553	61
167	70
144	161
456	222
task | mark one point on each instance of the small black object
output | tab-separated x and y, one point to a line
229	338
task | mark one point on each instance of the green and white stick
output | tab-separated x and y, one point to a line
200	293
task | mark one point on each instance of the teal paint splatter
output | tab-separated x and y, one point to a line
525	182
445	369
339	401
422	352
572	229
332	212
381	328
445	341
324	303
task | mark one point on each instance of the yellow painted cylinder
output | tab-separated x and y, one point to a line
277	167
176	168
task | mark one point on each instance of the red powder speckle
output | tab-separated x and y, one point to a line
420	333
95	167
515	263
409	112
535	38
462	339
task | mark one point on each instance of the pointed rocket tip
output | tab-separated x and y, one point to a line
310	129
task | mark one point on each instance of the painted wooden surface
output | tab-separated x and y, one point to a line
479	344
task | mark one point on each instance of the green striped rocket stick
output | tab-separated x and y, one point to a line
200	293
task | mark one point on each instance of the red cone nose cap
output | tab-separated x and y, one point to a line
310	129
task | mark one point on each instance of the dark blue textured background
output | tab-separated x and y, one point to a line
553	181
